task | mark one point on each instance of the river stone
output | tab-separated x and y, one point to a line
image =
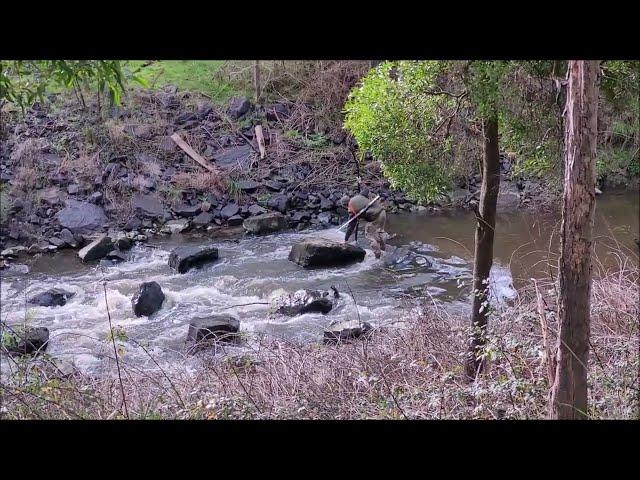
507	200
325	217
34	340
57	242
54	297
273	185
234	221
81	217
13	251
133	223
303	301
51	195
175	226
97	249
279	202
68	238
124	243
345	331
183	259
237	156
116	256
147	300
276	111
265	223
301	216
326	203
238	106
204	218
187	210
215	328
229	210
320	252
148	206
256	209
248	186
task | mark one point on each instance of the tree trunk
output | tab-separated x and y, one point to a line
256	79
486	222
569	391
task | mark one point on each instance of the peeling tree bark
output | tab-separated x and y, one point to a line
569	391
483	258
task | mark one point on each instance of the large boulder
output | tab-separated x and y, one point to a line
147	300
265	223
81	217
54	297
97	249
319	252
184	258
303	301
215	328
345	331
32	341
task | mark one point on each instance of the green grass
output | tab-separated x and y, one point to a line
191	75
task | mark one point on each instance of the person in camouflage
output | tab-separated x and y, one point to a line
375	216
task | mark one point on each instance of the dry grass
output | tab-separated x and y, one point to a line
410	368
201	181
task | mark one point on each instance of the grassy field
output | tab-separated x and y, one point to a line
202	76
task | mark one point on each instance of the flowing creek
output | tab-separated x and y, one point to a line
430	256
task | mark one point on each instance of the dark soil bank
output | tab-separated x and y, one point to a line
68	173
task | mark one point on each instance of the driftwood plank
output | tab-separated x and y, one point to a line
192	153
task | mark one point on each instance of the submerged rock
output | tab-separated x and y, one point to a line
215	328
55	297
148	299
345	331
303	301
319	252
183	259
33	341
116	256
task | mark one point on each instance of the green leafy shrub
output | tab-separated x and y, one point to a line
394	115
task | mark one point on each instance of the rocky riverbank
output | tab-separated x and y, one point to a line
69	174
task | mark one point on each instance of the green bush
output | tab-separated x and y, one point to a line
393	114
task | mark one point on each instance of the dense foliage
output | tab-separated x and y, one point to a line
24	82
394	115
420	119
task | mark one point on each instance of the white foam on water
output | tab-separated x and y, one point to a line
247	274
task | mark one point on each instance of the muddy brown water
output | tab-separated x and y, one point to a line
430	256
